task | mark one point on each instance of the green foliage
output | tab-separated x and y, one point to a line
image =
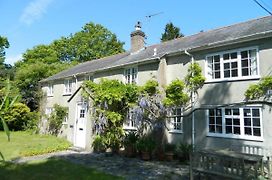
3	45
56	119
146	144
171	32
17	117
99	144
169	147
93	42
194	79
175	95
112	100
28	75
131	139
150	87
183	151
259	90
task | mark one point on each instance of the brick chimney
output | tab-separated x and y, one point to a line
137	38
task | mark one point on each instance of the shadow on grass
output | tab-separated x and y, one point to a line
52	168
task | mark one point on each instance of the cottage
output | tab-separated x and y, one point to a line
231	57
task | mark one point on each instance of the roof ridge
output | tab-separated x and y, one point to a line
210	30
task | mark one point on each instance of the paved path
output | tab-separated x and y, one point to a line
130	168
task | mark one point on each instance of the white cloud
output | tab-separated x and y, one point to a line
34	11
13	58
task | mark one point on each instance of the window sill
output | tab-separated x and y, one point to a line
67	94
65	123
175	132
232	79
237	137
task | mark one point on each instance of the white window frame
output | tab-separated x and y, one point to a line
174	120
129	123
208	72
131	75
68	85
50	89
242	134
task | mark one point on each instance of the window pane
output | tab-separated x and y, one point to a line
233	55
211	112
218	112
217	58
248	131
256	121
236	112
211	120
244	63
211	128
217	66
245	72
244	54
217	75
225	56
234	73
218	129
236	121
228	129
256	131
236	130
247	112
227	111
256	112
226	65
247	122
227	73
234	65
228	121
218	120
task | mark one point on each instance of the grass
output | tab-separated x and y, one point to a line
26	144
50	169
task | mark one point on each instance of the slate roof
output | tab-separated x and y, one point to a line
245	30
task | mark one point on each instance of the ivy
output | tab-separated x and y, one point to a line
259	90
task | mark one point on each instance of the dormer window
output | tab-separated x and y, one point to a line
131	75
68	86
50	89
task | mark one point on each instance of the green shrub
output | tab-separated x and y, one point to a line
18	117
183	151
99	144
146	144
56	119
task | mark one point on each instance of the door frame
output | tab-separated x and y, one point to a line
78	104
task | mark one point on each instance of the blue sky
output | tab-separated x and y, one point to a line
32	22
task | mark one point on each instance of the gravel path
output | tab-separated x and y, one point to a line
129	168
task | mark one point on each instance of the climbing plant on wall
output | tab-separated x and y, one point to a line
111	99
259	90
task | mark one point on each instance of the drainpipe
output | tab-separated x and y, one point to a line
192	104
75	76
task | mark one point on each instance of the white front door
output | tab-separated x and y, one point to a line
80	124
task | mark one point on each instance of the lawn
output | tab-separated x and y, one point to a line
50	169
26	144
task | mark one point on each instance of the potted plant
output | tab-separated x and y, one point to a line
130	143
146	145
169	151
183	151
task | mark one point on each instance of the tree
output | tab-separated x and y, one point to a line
93	42
6	70
171	32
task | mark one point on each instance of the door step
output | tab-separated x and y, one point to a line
77	149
